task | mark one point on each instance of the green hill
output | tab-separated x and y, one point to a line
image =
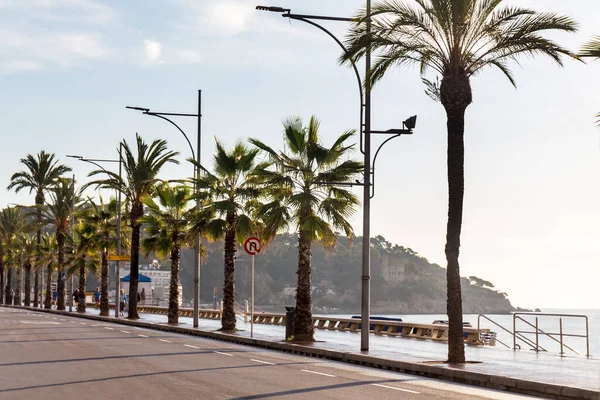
402	280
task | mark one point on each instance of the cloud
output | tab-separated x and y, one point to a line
83	12
20	66
153	51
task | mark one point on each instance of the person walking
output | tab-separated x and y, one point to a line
143	296
76	296
97	298
122	300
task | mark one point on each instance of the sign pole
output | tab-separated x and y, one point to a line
252	310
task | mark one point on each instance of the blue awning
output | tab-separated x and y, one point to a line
141	278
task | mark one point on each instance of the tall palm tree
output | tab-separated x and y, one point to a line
141	176
299	196
457	39
231	194
57	212
12	225
39	176
592	50
168	229
99	233
27	250
48	259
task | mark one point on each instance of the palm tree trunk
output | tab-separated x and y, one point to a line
36	287
18	294
48	299
27	294
137	210
9	296
60	303
104	307
173	313
455	96
228	317
81	299
303	325
39	201
1	277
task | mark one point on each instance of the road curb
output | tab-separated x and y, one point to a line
445	372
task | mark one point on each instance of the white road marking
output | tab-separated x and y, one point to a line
82	323
142	336
262	362
189	345
110	329
317	373
164	340
225	354
395	388
125	332
40	322
94	325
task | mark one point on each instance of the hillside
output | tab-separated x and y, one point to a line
402	280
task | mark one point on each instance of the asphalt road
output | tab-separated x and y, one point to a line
45	356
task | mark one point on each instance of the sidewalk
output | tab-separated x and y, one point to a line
526	372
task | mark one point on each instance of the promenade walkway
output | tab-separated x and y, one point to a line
504	367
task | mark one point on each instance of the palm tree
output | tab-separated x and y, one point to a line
12	224
39	176
298	195
457	39
168	223
592	50
230	194
99	234
58	213
141	172
49	259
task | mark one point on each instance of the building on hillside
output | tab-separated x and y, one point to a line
392	270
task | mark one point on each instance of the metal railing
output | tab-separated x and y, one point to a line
561	335
558	337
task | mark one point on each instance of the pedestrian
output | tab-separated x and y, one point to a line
122	300
143	295
55	296
97	297
76	296
139	296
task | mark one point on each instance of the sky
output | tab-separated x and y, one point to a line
68	68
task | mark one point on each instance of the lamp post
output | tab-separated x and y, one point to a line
365	148
196	157
96	162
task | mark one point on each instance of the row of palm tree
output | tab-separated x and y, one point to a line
250	191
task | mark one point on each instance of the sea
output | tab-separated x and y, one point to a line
573	323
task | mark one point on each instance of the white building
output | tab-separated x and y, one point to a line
159	287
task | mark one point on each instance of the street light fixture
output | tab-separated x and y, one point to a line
196	157
96	161
365	148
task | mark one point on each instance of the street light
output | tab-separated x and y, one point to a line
96	161
196	157
365	148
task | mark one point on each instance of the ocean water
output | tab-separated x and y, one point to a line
549	324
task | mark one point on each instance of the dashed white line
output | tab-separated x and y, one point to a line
94	325
395	388
262	362
165	340
225	354
142	336
317	373
189	345
110	329
125	332
82	323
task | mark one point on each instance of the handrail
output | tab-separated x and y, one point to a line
519	336
551	335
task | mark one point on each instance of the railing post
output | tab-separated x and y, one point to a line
537	336
246	311
587	337
561	337
514	332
